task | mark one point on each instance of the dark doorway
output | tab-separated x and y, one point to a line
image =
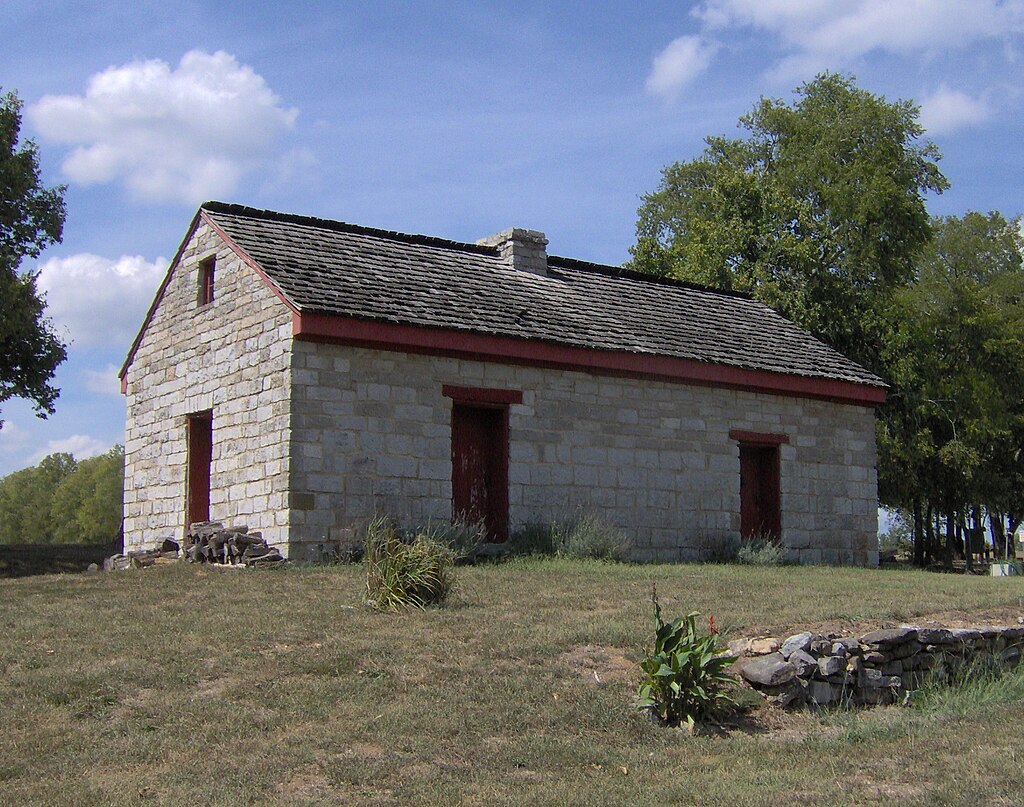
760	487
760	508
480	467
200	454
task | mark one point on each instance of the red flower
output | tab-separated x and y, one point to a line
711	625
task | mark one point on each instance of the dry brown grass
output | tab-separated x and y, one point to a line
181	685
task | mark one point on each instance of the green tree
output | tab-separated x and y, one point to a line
951	436
87	505
818	211
26	497
31	218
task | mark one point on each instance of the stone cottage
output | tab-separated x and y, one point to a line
299	375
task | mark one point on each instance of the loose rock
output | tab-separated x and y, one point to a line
769	671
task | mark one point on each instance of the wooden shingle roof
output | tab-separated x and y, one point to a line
336	269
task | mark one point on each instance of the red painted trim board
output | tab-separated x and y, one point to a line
482	395
758	438
487	347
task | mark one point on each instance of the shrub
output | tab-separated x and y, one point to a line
684	674
587	536
760	552
400	573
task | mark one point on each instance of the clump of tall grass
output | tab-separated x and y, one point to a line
971	687
759	552
585	535
401	573
462	536
534	538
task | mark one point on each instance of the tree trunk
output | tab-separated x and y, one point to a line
929	527
950	538
980	531
964	538
919	548
998	526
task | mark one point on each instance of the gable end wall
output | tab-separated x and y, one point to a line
231	357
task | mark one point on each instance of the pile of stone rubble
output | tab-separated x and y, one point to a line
880	667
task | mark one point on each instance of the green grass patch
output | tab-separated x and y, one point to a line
184	685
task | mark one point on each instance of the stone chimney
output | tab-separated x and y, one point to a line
523	250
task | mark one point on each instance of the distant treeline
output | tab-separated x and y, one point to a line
64	501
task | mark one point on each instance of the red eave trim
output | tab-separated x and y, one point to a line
508	350
482	395
758	438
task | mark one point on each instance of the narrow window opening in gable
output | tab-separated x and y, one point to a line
206	268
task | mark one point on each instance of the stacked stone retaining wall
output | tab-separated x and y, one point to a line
879	667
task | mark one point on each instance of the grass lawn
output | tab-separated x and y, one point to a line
182	685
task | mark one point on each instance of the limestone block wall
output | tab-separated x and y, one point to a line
371	432
231	356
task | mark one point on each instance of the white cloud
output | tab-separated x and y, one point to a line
678	64
103	382
12	438
816	34
98	301
947	110
188	134
80	446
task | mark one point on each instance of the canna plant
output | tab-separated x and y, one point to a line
684	676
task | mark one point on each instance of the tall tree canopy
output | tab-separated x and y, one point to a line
818	211
31	218
951	437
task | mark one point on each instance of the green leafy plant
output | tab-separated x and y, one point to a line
401	573
685	674
759	552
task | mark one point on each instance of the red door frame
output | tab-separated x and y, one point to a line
480	451
199	435
760	484
480	467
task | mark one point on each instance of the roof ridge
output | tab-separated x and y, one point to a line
462	246
633	274
343	226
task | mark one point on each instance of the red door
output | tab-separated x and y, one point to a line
760	508
200	454
480	467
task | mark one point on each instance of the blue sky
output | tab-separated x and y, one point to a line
451	119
